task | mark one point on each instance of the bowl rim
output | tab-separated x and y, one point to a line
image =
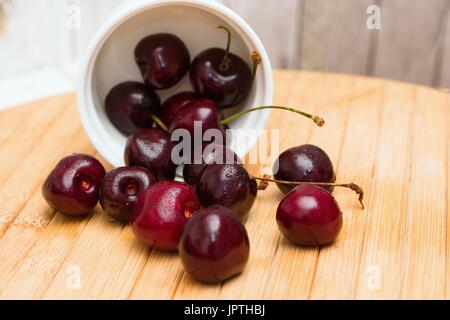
84	94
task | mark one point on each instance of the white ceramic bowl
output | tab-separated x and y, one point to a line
110	60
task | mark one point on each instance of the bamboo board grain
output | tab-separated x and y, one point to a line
389	137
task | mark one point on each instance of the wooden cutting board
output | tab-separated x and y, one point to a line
389	137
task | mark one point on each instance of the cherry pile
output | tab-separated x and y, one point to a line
203	217
222	78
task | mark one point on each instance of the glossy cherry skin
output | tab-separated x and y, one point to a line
129	106
228	185
212	153
205	111
151	148
120	189
214	245
305	163
309	216
227	86
161	212
175	103
163	60
72	186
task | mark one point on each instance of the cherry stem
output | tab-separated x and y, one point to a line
357	189
180	176
317	120
158	122
224	64
256	58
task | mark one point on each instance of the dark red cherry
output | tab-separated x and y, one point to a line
221	76
175	103
212	153
151	148
214	245
120	189
228	185
163	60
72	186
130	105
305	163
203	111
309	216
161	212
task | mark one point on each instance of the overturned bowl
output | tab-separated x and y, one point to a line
110	60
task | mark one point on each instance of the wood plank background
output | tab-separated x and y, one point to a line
328	35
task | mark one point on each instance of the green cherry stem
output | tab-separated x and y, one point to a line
317	120
180	176
224	64
353	186
158	122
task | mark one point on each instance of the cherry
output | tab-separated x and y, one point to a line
151	148
309	216
204	111
72	186
163	60
212	153
131	105
214	245
228	185
174	104
120	189
221	75
161	212
305	163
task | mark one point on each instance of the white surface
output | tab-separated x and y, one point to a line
35	85
109	60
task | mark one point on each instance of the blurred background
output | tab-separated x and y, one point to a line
42	41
